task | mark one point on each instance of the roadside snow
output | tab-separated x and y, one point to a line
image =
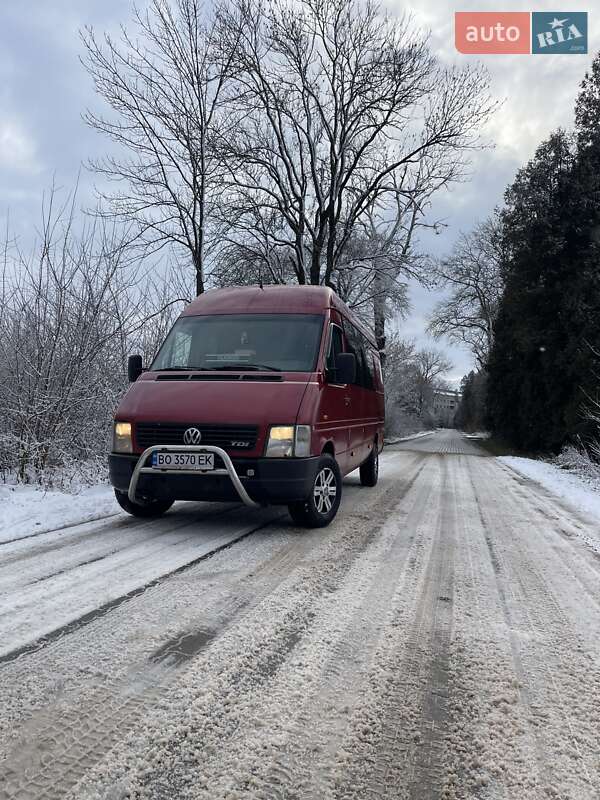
396	439
28	509
576	490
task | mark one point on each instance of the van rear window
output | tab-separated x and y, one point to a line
281	342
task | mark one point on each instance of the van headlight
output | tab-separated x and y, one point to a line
122	437
288	440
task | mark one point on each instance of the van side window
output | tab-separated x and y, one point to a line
336	345
369	382
362	349
354	339
377	372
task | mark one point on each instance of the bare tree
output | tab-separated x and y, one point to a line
411	378
166	85
333	102
382	254
473	274
431	364
401	406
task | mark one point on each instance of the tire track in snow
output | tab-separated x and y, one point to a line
287	694
35	769
99	651
121	531
69	741
324	713
404	748
445	442
490	736
549	512
560	675
229	692
19	573
214	546
21	582
59	529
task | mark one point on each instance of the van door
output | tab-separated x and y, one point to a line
334	406
374	403
356	400
378	398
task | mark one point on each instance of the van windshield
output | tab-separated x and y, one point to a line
281	342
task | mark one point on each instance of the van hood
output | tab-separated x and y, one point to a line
248	401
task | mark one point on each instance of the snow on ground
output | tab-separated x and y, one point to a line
66	574
439	639
581	493
396	439
29	509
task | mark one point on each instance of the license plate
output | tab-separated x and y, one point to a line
199	461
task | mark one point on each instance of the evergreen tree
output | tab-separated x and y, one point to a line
542	366
463	411
584	301
471	412
530	383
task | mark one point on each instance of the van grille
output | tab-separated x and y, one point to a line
229	437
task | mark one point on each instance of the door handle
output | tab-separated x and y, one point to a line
347	400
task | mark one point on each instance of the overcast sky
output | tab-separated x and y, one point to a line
44	89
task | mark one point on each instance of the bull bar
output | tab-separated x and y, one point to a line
189	448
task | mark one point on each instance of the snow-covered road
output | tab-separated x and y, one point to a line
441	639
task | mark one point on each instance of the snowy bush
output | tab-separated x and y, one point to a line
579	462
70	312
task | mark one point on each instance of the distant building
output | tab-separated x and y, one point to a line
445	403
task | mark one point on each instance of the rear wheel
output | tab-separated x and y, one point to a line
321	506
152	508
369	469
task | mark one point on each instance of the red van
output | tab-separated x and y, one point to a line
264	395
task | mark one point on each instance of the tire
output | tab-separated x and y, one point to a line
369	469
321	506
153	508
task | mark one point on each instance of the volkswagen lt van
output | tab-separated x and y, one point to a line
260	395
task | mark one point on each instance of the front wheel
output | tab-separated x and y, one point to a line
369	469
148	510
321	506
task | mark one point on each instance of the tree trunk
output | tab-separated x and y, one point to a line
379	314
315	264
199	267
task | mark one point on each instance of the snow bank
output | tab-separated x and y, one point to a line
396	439
580	492
28	509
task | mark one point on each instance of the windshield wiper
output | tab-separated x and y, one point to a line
257	367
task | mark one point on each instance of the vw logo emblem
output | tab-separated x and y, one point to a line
192	436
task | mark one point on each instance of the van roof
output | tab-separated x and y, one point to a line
272	299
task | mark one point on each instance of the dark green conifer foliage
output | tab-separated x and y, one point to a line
542	368
471	412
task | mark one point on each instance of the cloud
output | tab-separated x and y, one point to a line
538	93
18	150
43	93
44	90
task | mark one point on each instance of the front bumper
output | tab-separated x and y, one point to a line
276	481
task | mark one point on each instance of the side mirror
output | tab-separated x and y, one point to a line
345	368
134	368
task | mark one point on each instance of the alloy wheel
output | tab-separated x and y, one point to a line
325	490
